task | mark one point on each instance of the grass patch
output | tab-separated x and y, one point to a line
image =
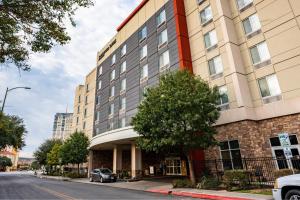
257	191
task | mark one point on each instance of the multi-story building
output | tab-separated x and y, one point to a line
250	49
62	126
84	104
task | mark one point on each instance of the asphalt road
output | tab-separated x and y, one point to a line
23	186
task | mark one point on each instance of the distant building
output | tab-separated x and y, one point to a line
84	104
25	163
13	155
62	126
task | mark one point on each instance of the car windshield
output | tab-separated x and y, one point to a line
105	171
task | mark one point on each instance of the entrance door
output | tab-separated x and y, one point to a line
173	166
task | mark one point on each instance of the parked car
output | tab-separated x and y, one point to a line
287	188
103	175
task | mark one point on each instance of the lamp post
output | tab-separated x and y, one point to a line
8	90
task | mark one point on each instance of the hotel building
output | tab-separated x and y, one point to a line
250	49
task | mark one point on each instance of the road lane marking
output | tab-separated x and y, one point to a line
57	194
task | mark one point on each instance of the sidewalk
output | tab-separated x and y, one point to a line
167	189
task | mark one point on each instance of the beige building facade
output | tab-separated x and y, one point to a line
84	103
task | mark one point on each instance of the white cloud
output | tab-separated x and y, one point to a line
55	75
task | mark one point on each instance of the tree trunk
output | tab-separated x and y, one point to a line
78	168
191	169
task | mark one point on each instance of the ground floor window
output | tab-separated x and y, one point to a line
278	152
231	155
173	166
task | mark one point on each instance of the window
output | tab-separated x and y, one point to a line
278	152
112	75
86	100
269	86
242	4
97	131
260	53
78	109
123	103
164	61
123	85
84	124
143	52
143	34
112	91
144	73
122	122
111	109
200	1
206	15
79	98
173	166
224	100
123	50
100	70
231	155
77	120
210	39
98	100
85	112
110	125
87	87
161	18
99	85
98	116
215	66
113	59
123	67
251	24
162	38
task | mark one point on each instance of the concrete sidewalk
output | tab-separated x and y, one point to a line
159	186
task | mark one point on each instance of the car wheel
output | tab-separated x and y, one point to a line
91	179
292	195
101	180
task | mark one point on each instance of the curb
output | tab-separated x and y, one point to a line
196	195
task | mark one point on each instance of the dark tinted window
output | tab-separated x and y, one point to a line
234	144
224	145
293	139
275	142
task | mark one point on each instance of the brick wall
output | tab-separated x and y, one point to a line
254	136
103	159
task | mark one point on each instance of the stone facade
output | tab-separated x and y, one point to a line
254	136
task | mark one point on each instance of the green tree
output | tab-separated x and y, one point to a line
12	131
75	149
34	26
53	157
35	165
5	162
41	153
178	115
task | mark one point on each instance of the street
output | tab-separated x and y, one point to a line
24	186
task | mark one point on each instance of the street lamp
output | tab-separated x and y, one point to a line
8	90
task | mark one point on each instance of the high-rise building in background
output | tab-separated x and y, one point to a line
62	126
84	104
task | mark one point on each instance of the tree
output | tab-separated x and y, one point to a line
34	26
75	149
35	165
178	114
5	162
53	157
41	153
12	131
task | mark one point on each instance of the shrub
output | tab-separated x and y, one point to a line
236	178
208	182
183	183
283	172
74	175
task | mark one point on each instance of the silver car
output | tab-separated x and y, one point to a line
102	175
